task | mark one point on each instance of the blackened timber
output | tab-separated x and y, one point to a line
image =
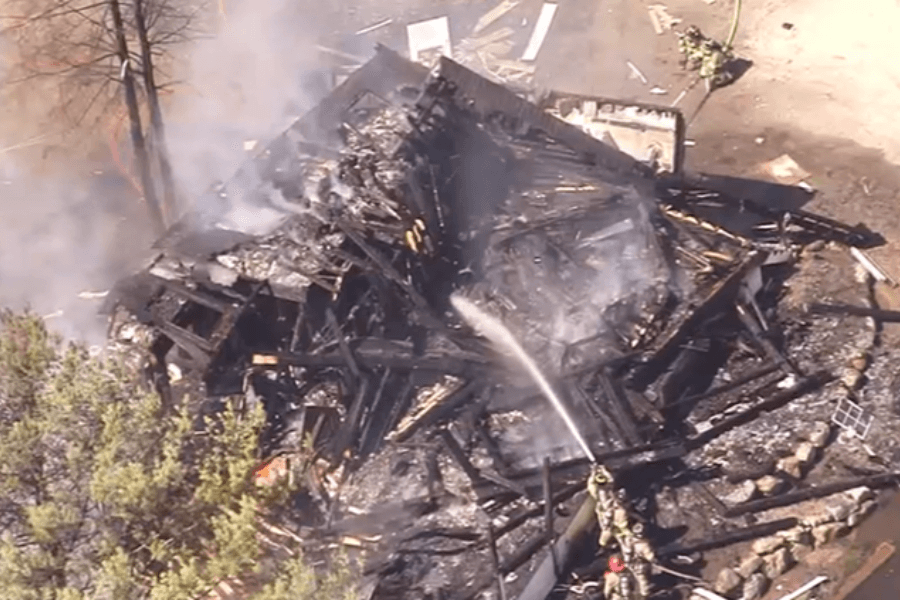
374	414
620	408
440	410
777	400
423	309
495	561
350	426
489	99
659	358
727	387
525	552
548	503
459	455
749	321
607	428
475	475
518	520
373	359
342	343
887	316
731	537
818	491
615	459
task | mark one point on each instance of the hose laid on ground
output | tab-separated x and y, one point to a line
734	24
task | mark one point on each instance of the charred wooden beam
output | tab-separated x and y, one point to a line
730	537
548	498
373	413
721	293
518	520
750	323
525	552
373	359
607	426
727	387
547	574
495	561
887	316
656	451
342	344
350	427
438	410
818	491
620	407
776	401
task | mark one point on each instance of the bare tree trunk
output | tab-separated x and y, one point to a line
156	119
134	116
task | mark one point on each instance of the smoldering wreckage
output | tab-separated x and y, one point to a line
323	280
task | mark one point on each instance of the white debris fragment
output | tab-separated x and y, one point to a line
494	14
374	27
784	169
249	145
873	268
661	19
174	372
541	28
93	295
636	72
659	91
787	383
433	34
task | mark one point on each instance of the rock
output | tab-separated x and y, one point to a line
769	484
814	520
860	514
727	581
815	246
851	378
754	587
798	536
819	434
743	492
767	544
806	453
860	494
840	510
777	563
750	565
867	507
828	532
790	466
860	361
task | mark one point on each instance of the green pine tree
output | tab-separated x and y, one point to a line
103	495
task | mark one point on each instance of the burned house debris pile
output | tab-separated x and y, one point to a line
318	282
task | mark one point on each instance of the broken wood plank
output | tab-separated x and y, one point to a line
887	316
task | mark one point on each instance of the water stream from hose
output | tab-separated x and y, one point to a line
495	331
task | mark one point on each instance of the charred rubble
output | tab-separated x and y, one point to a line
317	282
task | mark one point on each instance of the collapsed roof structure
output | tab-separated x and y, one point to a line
318	281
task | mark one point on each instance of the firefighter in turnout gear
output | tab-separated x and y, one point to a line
711	58
639	558
600	488
617	583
